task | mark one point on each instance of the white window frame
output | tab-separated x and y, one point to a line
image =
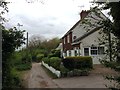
69	52
97	51
94	49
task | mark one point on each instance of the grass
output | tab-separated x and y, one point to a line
49	73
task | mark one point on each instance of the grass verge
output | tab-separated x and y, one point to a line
49	73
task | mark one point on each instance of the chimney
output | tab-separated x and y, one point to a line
83	14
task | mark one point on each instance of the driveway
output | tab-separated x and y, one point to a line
38	78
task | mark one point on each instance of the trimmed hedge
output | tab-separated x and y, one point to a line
46	60
53	61
80	62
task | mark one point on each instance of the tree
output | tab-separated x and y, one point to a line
114	43
11	39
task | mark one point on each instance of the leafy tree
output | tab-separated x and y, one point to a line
114	43
39	45
11	39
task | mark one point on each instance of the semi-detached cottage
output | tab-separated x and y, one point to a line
82	38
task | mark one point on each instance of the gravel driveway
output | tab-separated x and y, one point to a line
37	78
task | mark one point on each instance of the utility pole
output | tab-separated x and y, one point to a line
27	41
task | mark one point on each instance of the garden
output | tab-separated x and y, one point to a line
69	66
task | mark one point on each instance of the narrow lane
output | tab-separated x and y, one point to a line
39	79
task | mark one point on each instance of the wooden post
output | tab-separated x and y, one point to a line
27	41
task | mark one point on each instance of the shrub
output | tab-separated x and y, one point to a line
22	67
54	53
63	70
81	62
55	62
46	60
26	58
39	57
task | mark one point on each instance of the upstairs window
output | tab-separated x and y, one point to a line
64	40
68	38
74	37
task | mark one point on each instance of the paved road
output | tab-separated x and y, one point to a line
39	79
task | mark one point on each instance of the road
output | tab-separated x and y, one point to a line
37	78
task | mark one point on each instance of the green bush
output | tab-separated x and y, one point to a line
46	60
22	67
39	57
81	62
26	58
63	71
54	53
55	62
15	78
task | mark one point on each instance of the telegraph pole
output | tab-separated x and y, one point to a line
27	41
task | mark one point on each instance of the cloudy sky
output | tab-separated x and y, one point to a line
51	18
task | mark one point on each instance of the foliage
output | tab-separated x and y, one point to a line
22	67
39	57
46	60
55	62
39	45
3	10
11	39
81	62
54	53
113	44
63	70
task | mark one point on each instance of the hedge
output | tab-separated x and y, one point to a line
80	62
53	61
46	60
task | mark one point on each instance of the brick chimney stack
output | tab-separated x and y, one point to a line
83	14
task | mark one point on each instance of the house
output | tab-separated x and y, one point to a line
83	38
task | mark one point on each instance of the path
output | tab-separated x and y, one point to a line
39	79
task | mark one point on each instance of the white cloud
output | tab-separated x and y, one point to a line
51	19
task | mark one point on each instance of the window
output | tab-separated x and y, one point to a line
64	40
97	50
65	54
86	51
100	50
69	52
76	53
94	50
68	39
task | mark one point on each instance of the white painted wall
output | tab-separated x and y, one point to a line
83	28
52	69
88	41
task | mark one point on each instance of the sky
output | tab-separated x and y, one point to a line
47	18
